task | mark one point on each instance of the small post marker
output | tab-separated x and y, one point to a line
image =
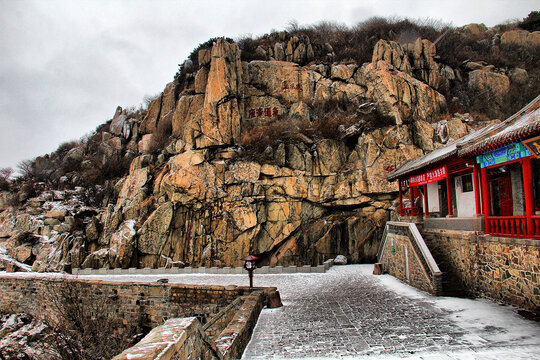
250	266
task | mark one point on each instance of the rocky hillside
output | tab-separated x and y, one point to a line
284	156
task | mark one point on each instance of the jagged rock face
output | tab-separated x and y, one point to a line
425	65
203	202
399	95
392	53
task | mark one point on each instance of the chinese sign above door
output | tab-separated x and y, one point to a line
502	155
428	177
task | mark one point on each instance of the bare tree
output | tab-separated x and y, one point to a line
26	169
83	328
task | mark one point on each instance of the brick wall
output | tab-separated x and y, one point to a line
230	312
146	304
175	339
219	322
180	339
503	269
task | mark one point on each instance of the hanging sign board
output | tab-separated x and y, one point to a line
502	155
428	177
533	145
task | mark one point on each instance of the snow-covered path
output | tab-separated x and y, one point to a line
350	313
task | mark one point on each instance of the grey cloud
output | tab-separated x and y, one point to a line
66	65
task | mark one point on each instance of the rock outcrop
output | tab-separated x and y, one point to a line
195	194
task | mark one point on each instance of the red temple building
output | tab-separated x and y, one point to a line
470	211
487	181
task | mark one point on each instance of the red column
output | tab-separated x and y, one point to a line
485	198
449	193
411	196
400	198
476	170
426	211
529	195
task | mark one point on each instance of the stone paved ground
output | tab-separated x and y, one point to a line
349	313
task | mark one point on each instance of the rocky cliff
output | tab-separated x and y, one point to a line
284	157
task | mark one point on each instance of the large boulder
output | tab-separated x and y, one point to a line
118	122
220	121
495	85
423	135
521	38
122	245
186	118
284	80
398	95
518	76
155	230
299	50
340	260
392	53
425	66
262	109
475	29
97	259
194	183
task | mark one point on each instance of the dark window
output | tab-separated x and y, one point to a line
467	182
535	164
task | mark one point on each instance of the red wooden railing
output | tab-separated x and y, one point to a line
410	211
536	226
514	226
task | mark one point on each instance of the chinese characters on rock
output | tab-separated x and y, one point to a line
263	112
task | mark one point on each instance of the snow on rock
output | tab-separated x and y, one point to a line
21	337
340	260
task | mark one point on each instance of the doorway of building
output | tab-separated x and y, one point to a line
443	198
501	195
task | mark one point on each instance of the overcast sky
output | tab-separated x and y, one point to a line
66	65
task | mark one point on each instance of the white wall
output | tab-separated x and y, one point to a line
466	205
433	197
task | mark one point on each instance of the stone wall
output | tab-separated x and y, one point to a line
137	304
219	322
229	312
401	258
175	339
224	337
503	269
234	338
186	339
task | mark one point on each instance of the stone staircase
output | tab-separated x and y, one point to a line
451	284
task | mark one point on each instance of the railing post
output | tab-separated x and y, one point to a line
529	194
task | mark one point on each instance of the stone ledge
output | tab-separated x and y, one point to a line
480	237
184	338
456	224
234	338
176	337
213	270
